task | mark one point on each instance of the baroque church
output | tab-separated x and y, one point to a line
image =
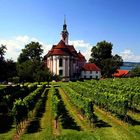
65	61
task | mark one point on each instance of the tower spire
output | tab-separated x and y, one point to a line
64	25
64	32
64	19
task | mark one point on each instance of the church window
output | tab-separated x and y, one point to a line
60	62
61	72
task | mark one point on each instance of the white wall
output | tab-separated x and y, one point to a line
53	65
88	74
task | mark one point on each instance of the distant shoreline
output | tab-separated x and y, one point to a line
129	65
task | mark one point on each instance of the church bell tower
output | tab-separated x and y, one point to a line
64	32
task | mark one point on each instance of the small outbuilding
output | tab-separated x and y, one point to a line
121	73
90	71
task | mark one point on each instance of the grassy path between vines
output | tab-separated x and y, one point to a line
46	124
73	112
118	130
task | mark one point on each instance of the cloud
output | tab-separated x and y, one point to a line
46	48
83	47
129	56
16	44
23	39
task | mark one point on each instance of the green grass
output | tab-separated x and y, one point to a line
8	135
76	135
118	130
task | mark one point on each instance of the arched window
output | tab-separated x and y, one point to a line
60	62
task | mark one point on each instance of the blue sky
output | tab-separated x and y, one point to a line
88	21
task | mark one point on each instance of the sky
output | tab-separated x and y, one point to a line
88	22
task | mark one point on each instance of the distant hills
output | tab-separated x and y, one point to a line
129	65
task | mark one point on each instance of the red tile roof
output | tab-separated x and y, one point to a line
72	50
60	45
120	73
62	49
90	67
81	57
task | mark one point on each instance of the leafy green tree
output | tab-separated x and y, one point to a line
101	55
32	51
15	79
30	65
42	74
48	76
10	69
29	61
25	71
2	52
7	67
2	63
135	72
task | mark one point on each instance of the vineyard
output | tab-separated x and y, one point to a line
106	109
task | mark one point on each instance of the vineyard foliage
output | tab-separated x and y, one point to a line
114	95
55	103
9	94
21	107
71	102
84	104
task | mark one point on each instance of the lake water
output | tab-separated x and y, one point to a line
126	68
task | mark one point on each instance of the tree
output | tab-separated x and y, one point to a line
2	52
7	67
101	55
30	65
42	74
135	72
10	69
29	61
25	71
32	51
2	63
48	76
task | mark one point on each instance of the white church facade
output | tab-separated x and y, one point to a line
65	61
